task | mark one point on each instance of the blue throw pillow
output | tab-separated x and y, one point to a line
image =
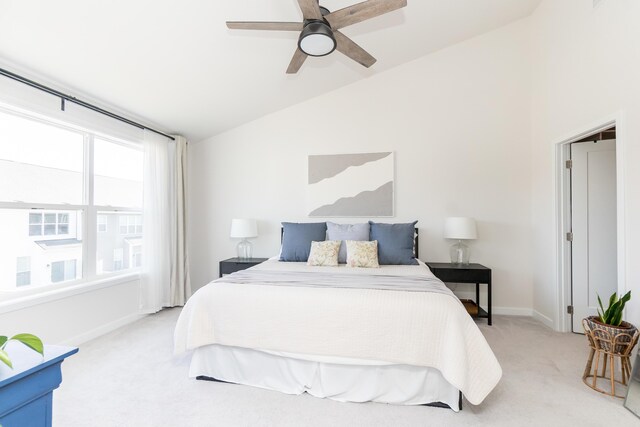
346	232
297	238
395	243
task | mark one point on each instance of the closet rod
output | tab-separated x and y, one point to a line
64	97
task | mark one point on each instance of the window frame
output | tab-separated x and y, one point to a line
87	209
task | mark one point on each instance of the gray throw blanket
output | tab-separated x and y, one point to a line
337	280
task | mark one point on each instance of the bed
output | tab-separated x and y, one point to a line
394	334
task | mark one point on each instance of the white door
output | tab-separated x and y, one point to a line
593	223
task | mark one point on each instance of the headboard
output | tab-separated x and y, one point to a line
415	241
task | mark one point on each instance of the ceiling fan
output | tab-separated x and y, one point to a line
319	35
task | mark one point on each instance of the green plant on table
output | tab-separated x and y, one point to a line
613	314
31	341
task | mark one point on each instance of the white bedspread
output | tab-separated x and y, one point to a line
411	328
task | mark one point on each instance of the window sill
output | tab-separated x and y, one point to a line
13	304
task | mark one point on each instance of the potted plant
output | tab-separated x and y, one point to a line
608	325
31	341
27	384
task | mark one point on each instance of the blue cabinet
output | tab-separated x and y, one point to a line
26	392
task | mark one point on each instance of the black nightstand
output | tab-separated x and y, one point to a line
472	273
232	265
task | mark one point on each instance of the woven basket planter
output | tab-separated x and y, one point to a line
612	339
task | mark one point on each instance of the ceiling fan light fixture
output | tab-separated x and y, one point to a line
316	39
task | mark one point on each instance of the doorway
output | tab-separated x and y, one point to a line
592	166
590	223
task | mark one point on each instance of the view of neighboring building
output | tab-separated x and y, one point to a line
45	209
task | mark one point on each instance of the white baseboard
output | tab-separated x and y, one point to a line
543	319
512	311
103	329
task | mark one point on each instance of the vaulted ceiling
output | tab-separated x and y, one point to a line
175	64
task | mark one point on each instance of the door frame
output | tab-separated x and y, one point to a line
562	184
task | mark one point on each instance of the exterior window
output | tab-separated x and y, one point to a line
61	271
102	223
123	224
130	224
48	224
118	257
35	224
63	223
136	256
23	271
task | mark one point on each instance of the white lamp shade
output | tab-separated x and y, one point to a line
243	228
460	228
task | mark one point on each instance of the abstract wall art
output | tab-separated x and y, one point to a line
351	185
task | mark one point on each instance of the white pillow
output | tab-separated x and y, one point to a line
362	254
324	253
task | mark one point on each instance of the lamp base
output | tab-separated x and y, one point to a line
459	253
245	249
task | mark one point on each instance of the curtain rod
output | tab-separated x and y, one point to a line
64	97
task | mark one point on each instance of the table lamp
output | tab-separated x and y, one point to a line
460	228
244	229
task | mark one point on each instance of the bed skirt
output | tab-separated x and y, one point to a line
344	380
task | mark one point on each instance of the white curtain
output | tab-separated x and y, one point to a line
165	268
155	280
180	282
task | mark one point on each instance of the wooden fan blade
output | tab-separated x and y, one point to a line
362	11
352	50
271	26
296	62
310	9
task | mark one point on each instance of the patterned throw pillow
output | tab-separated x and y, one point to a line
324	253
362	254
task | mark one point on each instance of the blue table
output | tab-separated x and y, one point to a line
26	392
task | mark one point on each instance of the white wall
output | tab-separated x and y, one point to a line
75	319
459	124
586	67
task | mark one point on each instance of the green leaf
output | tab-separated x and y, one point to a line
626	298
31	341
3	340
613	298
4	357
617	320
601	310
612	312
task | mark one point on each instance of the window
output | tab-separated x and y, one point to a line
48	224
45	162
118	256
102	223
114	250
136	256
23	271
118	174
45	206
131	224
62	271
35	224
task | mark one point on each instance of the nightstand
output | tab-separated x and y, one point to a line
472	273
232	265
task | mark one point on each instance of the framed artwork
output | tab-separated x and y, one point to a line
351	185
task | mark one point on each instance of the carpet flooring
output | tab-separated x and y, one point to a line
131	378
